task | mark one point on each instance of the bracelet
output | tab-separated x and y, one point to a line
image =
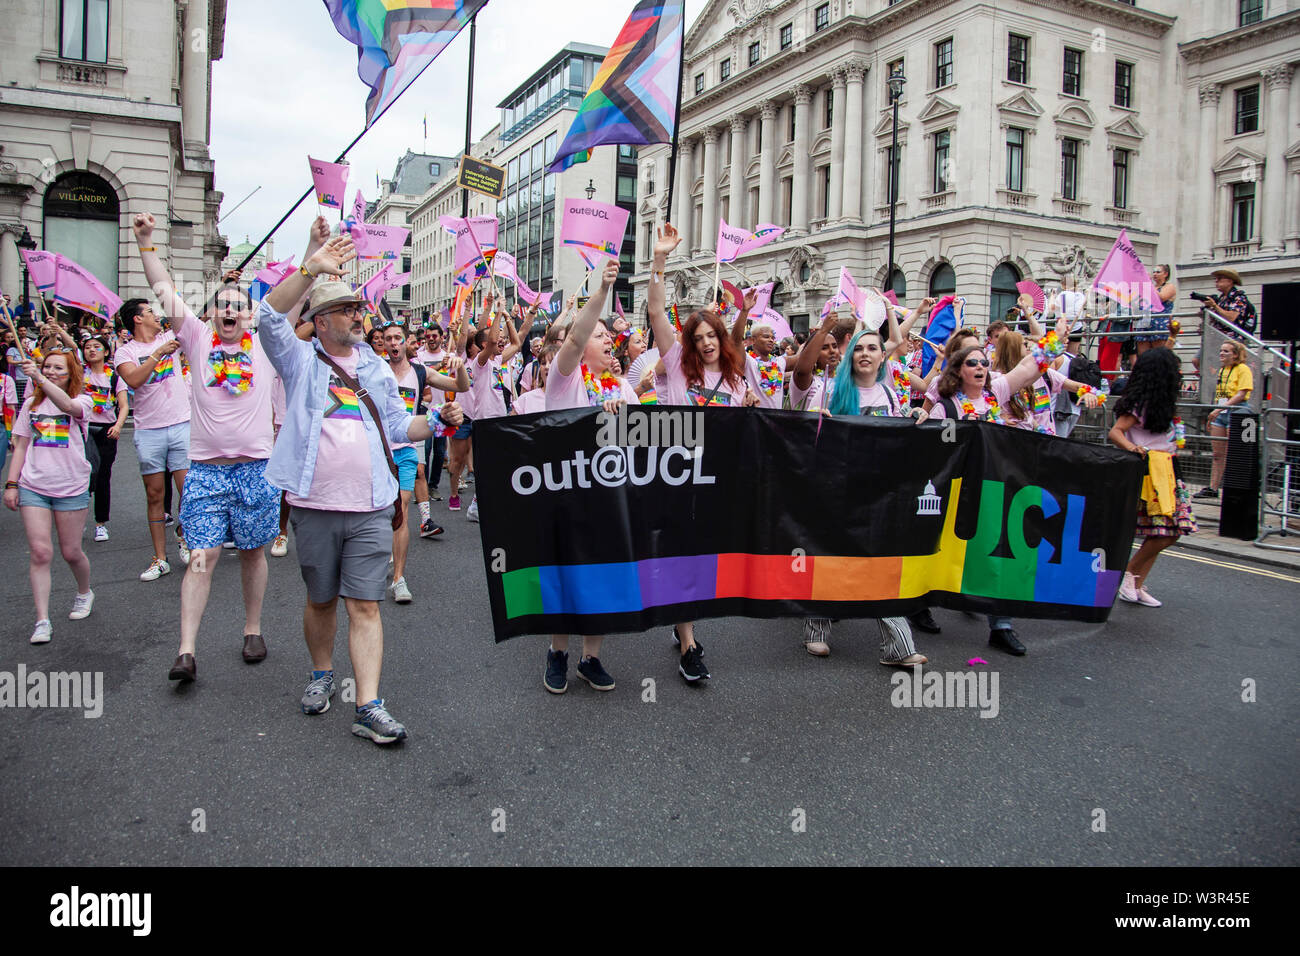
302	269
434	417
10	484
148	248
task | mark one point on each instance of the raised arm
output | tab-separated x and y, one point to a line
518	338
905	327
656	295
806	361
742	319
575	343
55	394
155	273
328	258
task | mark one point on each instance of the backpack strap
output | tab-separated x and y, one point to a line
949	407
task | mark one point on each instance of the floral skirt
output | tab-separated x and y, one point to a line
1181	522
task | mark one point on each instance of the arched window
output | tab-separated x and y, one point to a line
81	222
898	283
943	281
1002	291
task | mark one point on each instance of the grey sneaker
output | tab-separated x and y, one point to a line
316	698
374	721
400	592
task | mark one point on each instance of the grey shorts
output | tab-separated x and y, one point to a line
163	449
343	553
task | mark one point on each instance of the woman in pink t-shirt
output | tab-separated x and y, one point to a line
579	377
1031	407
108	391
49	479
1146	421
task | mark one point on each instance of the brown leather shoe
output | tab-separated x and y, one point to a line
254	648
184	669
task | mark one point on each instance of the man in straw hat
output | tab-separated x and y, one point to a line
1231	303
338	398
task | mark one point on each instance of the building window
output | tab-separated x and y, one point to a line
699	83
1072	74
83	30
1015	159
943	281
787	36
754	53
1249	11
787	199
1243	212
790	109
830	108
1017	58
942	145
1002	290
826	191
1248	110
898	283
1070	169
1119	164
552	141
1123	84
626	153
942	63
895	67
822	17
626	189
724	71
892	156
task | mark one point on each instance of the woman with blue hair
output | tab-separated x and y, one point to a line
862	387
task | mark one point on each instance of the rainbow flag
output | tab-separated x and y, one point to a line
633	99
99	395
164	369
51	431
344	403
396	40
408	396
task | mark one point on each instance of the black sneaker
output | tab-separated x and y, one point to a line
923	620
677	641
429	529
1206	493
589	669
692	666
557	671
1004	639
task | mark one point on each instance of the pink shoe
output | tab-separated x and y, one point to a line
453	503
1144	597
1128	589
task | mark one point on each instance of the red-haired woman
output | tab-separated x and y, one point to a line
49	478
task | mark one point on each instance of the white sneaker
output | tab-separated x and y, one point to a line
1128	589
400	592
43	632
280	546
101	533
156	570
183	550
1144	597
472	513
81	606
464	485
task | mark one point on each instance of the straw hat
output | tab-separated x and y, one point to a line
329	293
1227	274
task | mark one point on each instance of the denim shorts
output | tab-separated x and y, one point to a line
34	499
466	429
1225	417
408	462
163	449
229	503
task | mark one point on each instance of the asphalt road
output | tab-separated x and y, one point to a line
1142	718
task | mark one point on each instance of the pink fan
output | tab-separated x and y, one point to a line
1032	289
890	297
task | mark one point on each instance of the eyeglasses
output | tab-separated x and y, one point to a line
352	308
976	363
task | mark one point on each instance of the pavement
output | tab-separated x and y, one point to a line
1164	737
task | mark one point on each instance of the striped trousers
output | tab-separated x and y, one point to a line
895	635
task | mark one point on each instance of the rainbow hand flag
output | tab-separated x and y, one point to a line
633	99
397	39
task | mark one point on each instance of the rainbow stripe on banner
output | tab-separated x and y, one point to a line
957	567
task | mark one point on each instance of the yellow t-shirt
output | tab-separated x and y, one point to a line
1233	380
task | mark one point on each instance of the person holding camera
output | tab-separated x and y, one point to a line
1230	304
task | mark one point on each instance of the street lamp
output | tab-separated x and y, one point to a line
28	244
896	81
591	190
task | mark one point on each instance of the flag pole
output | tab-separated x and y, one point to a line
677	121
469	109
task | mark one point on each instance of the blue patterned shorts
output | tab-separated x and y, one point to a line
229	503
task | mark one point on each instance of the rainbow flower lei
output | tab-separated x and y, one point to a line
769	375
1089	390
605	389
993	414
1180	433
902	385
234	373
1047	349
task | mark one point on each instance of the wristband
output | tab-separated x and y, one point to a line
10	484
434	418
148	248
302	269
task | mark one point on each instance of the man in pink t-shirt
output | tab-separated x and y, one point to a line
227	495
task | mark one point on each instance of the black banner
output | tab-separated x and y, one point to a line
599	524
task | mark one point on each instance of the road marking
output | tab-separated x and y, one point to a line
1231	566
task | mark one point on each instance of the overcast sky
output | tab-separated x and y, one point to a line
287	87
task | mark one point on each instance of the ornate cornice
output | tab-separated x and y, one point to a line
1280	27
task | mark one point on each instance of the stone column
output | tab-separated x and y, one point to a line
853	142
838	104
709	214
682	196
767	164
802	182
738	215
194	77
1207	143
1277	80
11	279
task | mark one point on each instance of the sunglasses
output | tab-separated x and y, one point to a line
976	363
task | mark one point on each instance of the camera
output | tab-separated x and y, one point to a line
1201	296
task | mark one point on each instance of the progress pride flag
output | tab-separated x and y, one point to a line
593	228
331	182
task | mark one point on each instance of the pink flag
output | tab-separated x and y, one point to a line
1124	278
780	327
524	292
76	287
594	228
851	295
359	208
475	238
379	242
275	272
890	297
618	307
1032	289
505	267
42	267
378	284
331	181
762	297
734	243
543	302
